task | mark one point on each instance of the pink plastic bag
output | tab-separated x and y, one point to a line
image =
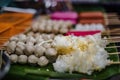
71	16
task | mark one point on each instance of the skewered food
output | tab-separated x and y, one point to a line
41	27
89	27
30	39
63	30
20	47
14	38
13	58
51	26
43	61
39	50
37	35
35	26
51	54
22	37
22	59
56	28
29	48
39	40
67	53
81	54
30	34
11	47
32	59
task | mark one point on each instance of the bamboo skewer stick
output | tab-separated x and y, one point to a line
114	53
113	47
114	41
115	30
114	62
111	38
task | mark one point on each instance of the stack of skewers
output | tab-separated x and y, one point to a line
25	49
36	47
113	22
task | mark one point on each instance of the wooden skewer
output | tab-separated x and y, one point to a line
113	47
114	62
114	41
115	30
112	38
46	41
114	53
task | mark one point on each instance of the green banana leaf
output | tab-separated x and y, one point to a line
30	72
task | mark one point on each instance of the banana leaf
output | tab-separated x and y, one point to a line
22	72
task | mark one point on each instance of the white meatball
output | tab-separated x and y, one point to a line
14	38
41	27
29	48
30	39
22	59
68	24
48	28
54	22
30	34
52	36
51	54
36	35
49	21
43	61
22	37
60	22
39	39
39	50
56	28
11	47
35	26
63	30
20	47
49	37
32	59
44	36
14	58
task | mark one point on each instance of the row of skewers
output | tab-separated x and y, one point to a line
36	47
51	26
24	49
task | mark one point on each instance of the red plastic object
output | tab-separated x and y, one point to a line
81	33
